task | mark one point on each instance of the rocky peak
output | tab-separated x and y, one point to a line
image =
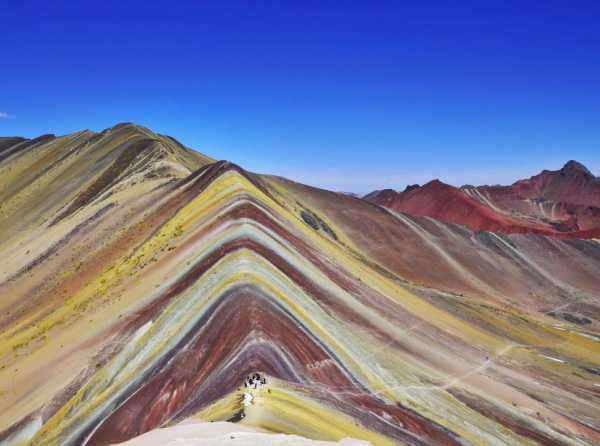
574	167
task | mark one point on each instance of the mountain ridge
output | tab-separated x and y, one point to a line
153	301
561	203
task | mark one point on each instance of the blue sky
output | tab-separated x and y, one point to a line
344	95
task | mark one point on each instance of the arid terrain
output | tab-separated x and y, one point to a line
144	285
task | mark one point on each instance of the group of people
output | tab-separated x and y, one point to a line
253	380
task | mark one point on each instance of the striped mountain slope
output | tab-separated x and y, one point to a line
141	284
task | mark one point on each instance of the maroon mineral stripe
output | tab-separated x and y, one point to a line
518	426
237	316
195	376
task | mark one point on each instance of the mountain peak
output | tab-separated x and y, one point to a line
411	187
574	166
437	184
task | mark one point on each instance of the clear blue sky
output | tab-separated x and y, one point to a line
345	95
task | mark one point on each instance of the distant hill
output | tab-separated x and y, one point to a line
563	203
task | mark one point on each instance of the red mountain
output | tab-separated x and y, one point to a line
563	203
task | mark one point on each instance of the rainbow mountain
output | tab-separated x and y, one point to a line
142	284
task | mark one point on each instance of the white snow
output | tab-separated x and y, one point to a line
553	359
